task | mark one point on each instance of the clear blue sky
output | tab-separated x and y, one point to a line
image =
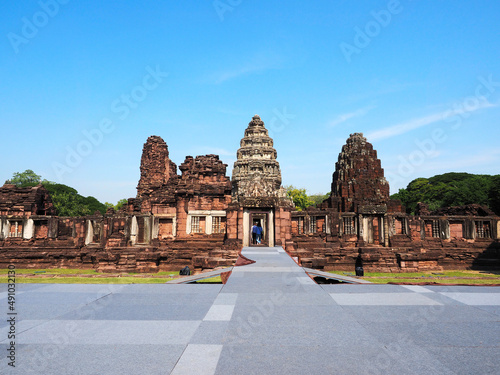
421	79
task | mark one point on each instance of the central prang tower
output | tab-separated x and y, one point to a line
256	174
257	195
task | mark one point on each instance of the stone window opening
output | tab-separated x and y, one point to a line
16	228
432	228
300	225
483	229
218	224
348	225
312	224
399	226
197	224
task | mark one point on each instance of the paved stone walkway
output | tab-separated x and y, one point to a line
270	318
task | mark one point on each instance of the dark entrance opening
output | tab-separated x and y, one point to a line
259	219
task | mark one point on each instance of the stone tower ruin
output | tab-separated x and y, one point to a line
257	194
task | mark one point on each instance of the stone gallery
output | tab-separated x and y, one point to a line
202	218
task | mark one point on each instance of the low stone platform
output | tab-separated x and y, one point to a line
270	318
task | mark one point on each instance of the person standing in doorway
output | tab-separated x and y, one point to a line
259	233
254	234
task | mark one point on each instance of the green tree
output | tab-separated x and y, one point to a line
68	202
299	197
24	179
494	195
318	198
450	189
121	203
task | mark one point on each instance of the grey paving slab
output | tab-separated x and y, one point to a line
210	332
165	298
314	359
52	359
212	289
464	288
439	313
140	312
226	299
368	288
254	330
285	315
383	299
21	326
418	288
468	360
491	309
199	359
281	298
270	318
106	332
219	313
487	299
424	333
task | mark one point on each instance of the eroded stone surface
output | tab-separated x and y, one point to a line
359	179
201	219
256	173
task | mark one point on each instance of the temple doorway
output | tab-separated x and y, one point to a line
259	220
373	229
262	217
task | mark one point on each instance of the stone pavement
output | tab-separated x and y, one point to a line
270	318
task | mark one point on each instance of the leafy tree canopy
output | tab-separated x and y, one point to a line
25	179
66	200
299	197
452	189
319	198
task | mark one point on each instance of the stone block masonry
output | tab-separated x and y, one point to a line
201	218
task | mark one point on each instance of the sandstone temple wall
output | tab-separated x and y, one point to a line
201	218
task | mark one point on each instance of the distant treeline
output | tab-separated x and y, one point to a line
66	200
452	189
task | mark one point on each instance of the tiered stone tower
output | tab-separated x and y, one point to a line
257	195
256	174
358	180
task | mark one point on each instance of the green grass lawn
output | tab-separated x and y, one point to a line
435	277
212	280
76	276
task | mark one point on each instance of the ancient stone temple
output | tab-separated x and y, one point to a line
358	180
257	194
201	218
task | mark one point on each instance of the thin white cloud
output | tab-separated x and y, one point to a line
255	64
482	159
244	70
347	116
410	125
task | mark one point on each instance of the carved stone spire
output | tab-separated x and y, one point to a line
256	173
156	167
359	178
